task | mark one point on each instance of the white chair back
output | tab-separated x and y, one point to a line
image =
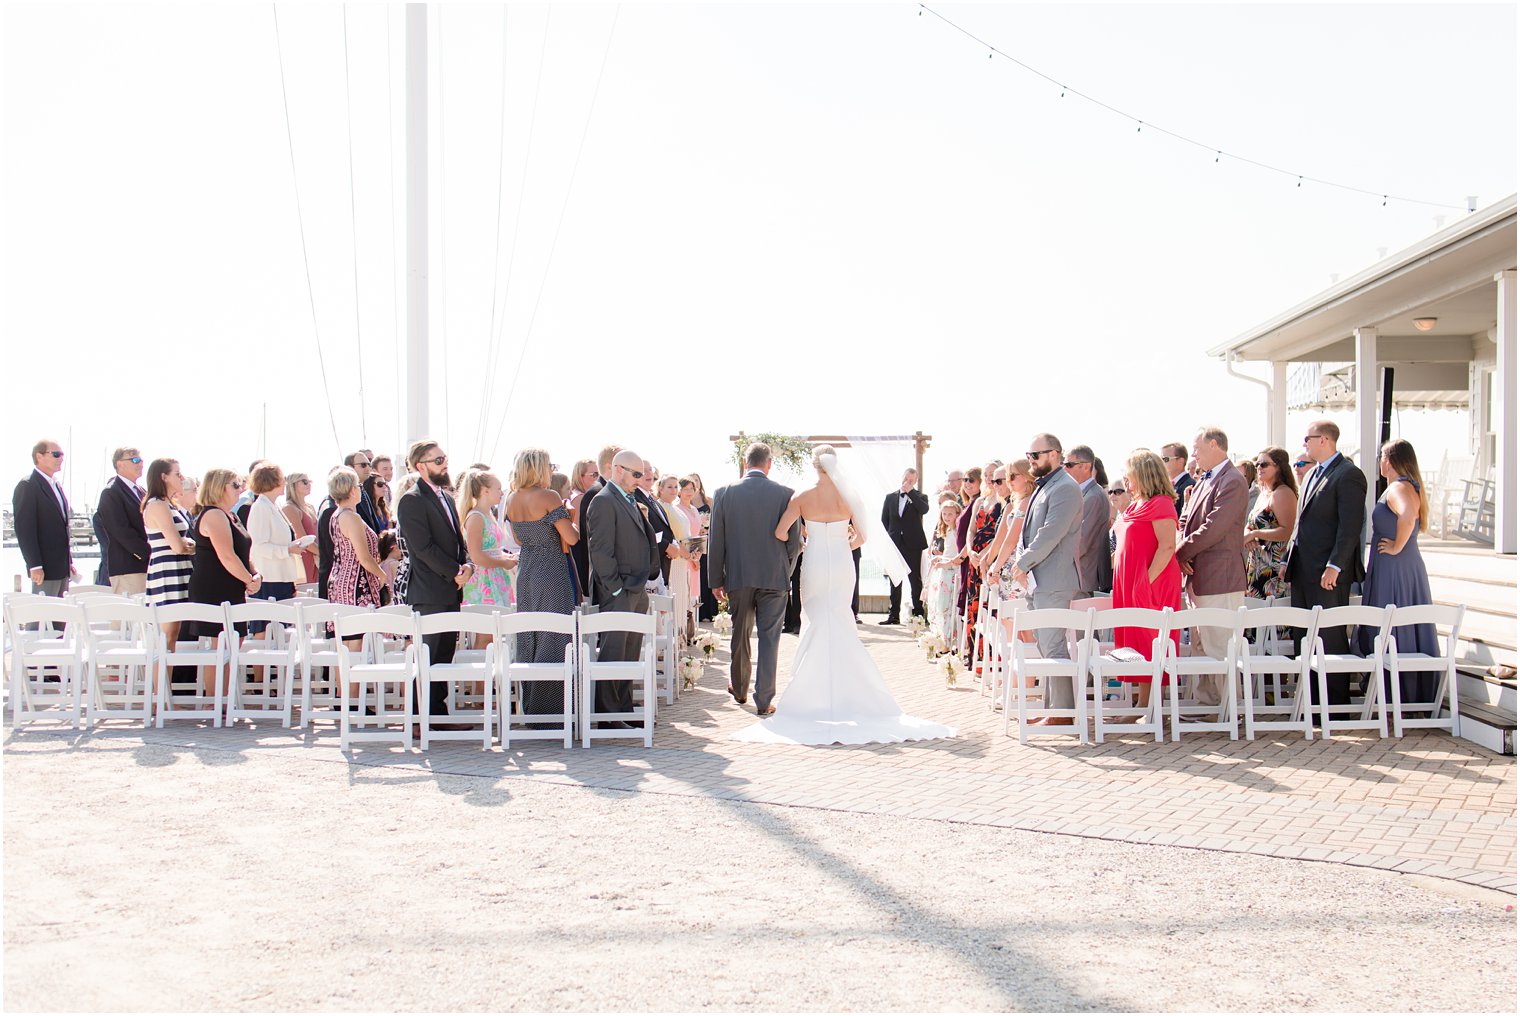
639	671
1028	663
214	652
48	662
123	641
1406	659
537	726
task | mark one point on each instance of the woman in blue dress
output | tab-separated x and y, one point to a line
545	573
1395	570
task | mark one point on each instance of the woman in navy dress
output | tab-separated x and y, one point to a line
542	527
1395	570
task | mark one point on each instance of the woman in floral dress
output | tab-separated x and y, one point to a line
1270	525
984	526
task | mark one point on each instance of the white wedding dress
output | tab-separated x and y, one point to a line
836	694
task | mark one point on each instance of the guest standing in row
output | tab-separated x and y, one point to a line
223	571
40	513
119	519
171	551
542	526
939	596
1211	550
277	551
581	551
1396	574
1273	516
1146	573
1095	568
1175	458
360	463
357	577
703	506
438	559
303	520
491	584
624	559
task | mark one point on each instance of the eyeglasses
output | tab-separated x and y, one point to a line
56	455
1171	458
1035	455
307	482
1264	465
1311	437
1115	490
136	460
1073	465
637	474
361	465
999	480
237	485
437	460
1301	463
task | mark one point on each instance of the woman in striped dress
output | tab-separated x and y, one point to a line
171	553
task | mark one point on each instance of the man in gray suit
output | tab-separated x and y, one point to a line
753	569
1095	568
1048	550
623	560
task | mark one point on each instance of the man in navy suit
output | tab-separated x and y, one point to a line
41	515
118	519
1324	554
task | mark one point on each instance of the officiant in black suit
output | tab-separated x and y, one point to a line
902	515
435	545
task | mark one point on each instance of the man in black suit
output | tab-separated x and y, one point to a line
1324	554
359	461
435	546
40	512
1175	457
902	514
119	519
664	535
624	559
581	552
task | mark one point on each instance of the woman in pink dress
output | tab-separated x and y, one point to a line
1146	573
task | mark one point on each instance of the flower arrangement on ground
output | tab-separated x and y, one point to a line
952	666
933	645
723	623
917	626
708	642
691	672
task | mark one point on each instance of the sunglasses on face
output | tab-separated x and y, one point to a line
56	455
635	473
438	460
1171	458
1035	455
1301	463
1263	465
1311	437
1073	465
237	485
1116	491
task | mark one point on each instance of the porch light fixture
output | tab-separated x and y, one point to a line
1424	324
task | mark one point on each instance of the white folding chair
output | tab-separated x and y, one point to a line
320	658
278	655
667	646
1190	713
206	651
981	634
1269	660
1372	712
482	665
536	726
639	671
1122	663
1400	662
90	589
356	670
47	664
1027	664
123	648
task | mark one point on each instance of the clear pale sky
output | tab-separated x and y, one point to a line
803	218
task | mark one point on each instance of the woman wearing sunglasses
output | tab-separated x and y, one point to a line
1269	524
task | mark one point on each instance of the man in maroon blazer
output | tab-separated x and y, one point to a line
1211	547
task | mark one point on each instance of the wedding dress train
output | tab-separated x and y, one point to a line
836	694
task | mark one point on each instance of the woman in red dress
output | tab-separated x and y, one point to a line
1146	573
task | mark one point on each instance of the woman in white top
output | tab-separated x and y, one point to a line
277	546
683	577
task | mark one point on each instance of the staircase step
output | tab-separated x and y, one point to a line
1488	727
1490	599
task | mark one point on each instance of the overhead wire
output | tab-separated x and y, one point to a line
353	228
493	355
559	224
1216	151
295	182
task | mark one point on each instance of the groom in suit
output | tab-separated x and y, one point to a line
902	515
753	568
1324	554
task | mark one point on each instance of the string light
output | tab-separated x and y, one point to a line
1139	124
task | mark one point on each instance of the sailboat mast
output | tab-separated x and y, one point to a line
416	222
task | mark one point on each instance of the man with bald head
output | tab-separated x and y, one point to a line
623	560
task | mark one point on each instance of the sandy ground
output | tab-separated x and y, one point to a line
142	876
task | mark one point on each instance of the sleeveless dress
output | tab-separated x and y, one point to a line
544	573
835	695
168	572
983	528
489	586
349	583
309	561
1132	584
939	598
1264	560
1401	580
210	581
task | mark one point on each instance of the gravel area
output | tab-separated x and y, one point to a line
144	876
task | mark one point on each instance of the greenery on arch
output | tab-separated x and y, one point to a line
793	454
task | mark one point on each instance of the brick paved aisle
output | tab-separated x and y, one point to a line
1425	804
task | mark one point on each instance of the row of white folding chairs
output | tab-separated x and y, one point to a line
1246	668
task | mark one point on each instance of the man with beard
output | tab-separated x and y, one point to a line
435	546
1048	550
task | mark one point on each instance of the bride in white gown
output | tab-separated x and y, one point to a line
836	695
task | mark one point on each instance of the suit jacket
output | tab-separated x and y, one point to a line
1052	531
119	518
1213	534
1095	565
664	535
1331	512
42	528
1183	481
907	529
368	512
622	551
324	545
434	545
742	549
581	552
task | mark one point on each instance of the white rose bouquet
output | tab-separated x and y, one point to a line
708	642
723	624
691	672
932	644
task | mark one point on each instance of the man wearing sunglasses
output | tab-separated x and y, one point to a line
119	521
40	512
1175	458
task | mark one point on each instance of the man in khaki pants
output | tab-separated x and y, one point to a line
1211	548
119	518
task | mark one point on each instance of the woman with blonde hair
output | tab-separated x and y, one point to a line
222	572
302	518
999	554
685	586
1146	573
545	574
491	583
